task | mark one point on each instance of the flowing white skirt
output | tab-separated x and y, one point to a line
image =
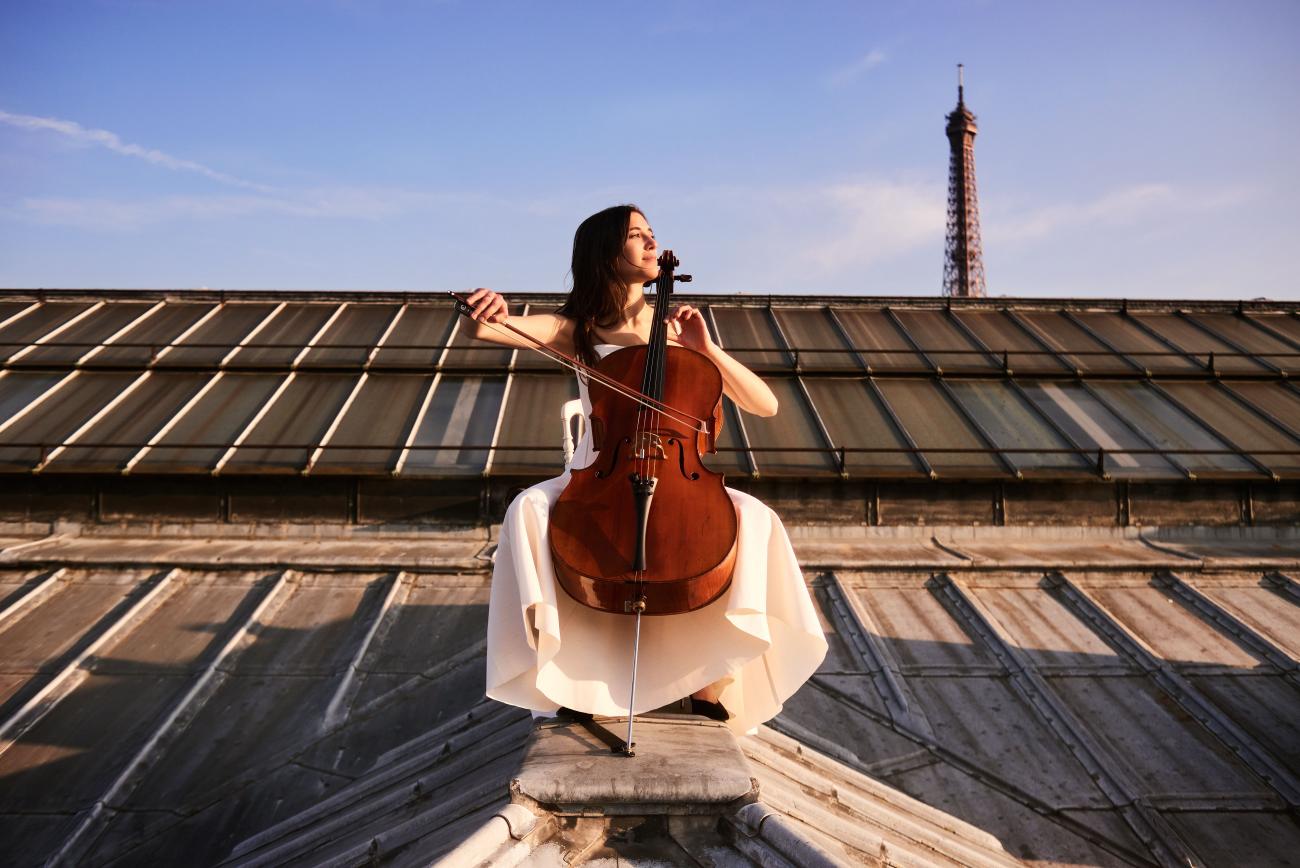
756	644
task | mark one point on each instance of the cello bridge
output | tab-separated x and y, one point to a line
649	445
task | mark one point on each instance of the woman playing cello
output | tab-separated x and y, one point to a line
740	656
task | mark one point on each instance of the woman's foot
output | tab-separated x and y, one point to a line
711	710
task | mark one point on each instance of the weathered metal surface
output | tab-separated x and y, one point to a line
244	696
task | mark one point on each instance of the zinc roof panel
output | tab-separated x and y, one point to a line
432	623
1093	425
318	625
1279	400
918	629
1169	755
1240	837
1286	324
20	388
1268	708
1011	739
70	618
1044	628
1023	831
79	747
1014	424
1175	633
1259	605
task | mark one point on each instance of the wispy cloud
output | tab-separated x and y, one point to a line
113	142
1143	203
794	237
346	203
852	71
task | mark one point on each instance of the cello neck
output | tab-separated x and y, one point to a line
652	383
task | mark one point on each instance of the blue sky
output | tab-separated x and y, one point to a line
1140	149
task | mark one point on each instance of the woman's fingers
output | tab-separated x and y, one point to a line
487	306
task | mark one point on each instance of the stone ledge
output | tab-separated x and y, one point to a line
683	764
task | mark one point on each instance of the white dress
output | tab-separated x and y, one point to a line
756	644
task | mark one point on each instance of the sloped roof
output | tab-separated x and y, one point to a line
1084	696
391	385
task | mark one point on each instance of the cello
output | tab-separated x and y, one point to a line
646	528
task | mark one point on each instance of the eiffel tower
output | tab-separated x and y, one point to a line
963	265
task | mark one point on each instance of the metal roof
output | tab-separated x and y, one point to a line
1093	696
384	385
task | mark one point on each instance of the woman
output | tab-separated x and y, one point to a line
739	657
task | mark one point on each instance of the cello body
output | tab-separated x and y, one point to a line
688	531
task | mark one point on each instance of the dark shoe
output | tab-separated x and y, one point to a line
711	710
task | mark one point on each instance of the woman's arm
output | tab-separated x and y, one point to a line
490	308
739	383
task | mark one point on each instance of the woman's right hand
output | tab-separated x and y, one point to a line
488	306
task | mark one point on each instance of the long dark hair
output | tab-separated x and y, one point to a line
598	296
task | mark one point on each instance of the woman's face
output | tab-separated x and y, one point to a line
639	261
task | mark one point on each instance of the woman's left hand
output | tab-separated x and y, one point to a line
688	328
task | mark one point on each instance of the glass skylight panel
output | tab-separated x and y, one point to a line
1198	343
1091	424
300	415
532	419
793	427
1001	335
936	425
418	338
1075	345
1013	424
199	435
943	342
58	417
22	332
884	346
811	329
381	415
1247	430
1145	350
745	332
463	412
856	420
352	335
215	338
1168	427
